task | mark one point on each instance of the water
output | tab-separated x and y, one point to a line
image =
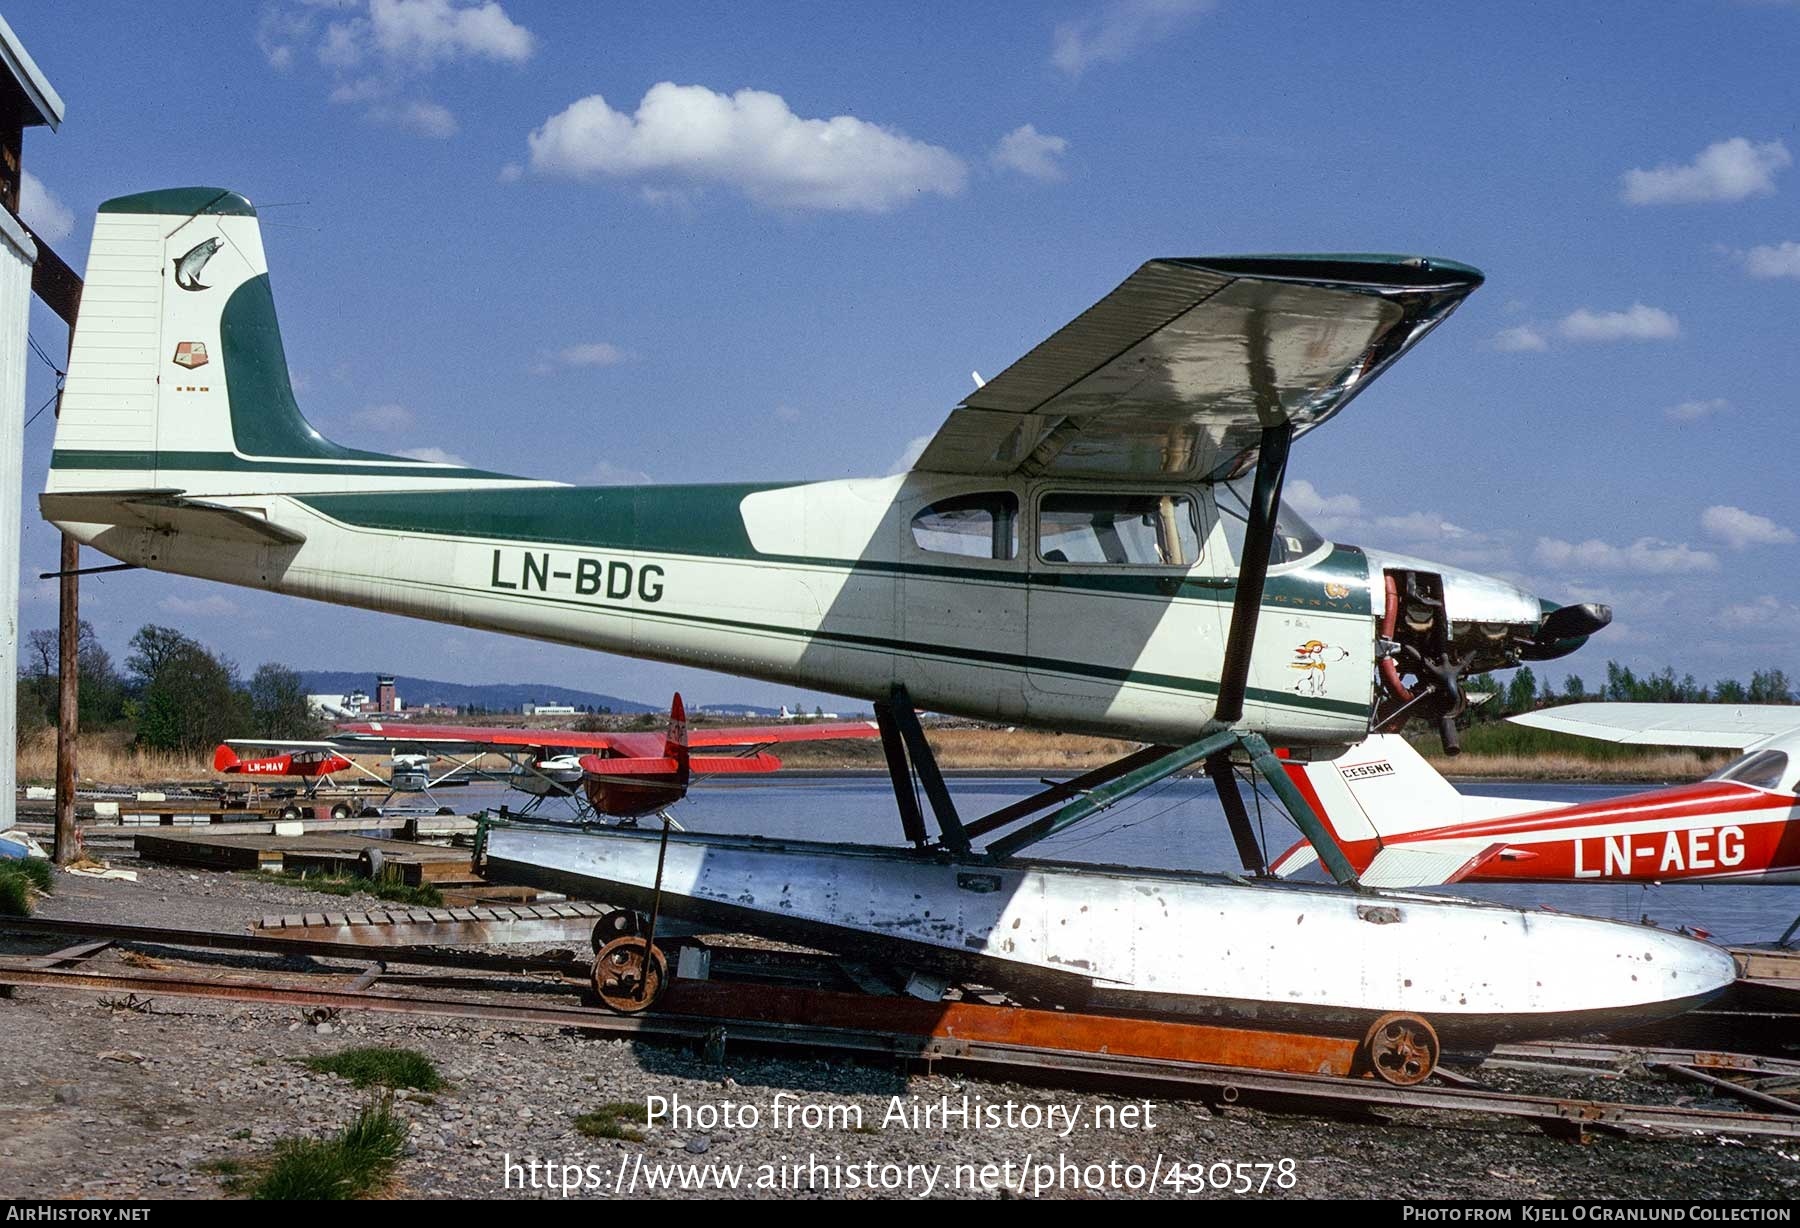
1179	825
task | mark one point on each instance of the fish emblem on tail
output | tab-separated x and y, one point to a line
187	268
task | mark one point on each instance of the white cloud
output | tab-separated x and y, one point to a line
1647	555
213	606
749	141
593	354
1031	153
420	118
376	51
1740	529
1773	260
1520	339
582	354
1724	171
1763	613
786	413
421	34
1693	411
42	211
436	456
605	473
389	419
1305	498
1117	28
910	454
1635	323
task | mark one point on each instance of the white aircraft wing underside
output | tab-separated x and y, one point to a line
1176	372
1722	726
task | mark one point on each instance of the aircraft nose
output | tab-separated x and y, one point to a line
1566	628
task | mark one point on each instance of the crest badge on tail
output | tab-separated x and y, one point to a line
187	267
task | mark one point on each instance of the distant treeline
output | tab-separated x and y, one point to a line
174	693
1523	692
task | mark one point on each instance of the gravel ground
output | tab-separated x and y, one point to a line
113	1102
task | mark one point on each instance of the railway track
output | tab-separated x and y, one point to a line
374	980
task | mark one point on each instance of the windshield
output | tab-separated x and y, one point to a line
1762	768
1294	538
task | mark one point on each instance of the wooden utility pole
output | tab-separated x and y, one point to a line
68	696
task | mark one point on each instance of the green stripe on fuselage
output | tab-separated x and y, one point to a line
704	521
106	459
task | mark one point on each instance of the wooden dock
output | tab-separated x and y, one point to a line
347	853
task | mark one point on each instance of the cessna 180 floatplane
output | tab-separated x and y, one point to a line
1094	541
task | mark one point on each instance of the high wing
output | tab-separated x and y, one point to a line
1722	726
471	737
1176	372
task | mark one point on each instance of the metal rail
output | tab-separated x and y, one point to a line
361	953
1314	1091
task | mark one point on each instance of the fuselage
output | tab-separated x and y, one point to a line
1059	604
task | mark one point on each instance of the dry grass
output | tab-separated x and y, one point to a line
968	749
108	758
1651	767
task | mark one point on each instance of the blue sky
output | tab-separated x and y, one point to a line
562	240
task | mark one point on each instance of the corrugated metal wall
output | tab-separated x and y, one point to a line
17	255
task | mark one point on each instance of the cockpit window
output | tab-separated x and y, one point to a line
979	526
1294	538
1763	769
1132	530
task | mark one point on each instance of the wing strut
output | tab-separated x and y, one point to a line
1234	676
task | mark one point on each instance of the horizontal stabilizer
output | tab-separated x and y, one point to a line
169	511
1719	726
1430	865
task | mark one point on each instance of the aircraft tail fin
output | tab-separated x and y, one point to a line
178	383
1380	789
224	758
675	744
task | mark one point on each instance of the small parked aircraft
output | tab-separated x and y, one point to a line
1403	825
619	773
1089	543
312	764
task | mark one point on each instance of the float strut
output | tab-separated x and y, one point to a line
912	822
1099	799
903	718
1218	767
1317	834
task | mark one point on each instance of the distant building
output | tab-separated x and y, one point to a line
548	710
386	699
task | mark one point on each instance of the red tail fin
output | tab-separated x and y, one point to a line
675	746
224	758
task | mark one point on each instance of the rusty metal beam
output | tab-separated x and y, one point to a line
1738	1091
